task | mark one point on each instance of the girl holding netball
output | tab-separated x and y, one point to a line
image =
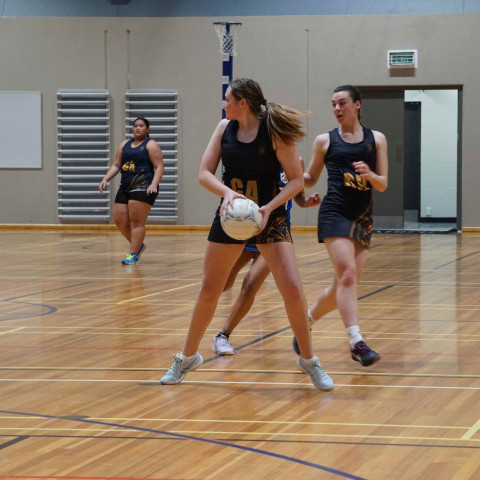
255	141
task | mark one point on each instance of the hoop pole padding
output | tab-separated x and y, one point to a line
227	70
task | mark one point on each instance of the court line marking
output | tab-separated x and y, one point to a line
215	382
45	291
331	333
126	428
472	431
205	440
255	422
158	293
242	370
11	331
456	260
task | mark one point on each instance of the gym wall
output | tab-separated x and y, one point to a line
298	60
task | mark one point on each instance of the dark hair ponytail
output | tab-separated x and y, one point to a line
283	122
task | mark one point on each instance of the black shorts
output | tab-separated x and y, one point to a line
276	230
124	196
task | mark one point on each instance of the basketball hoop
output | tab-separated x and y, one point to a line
227	33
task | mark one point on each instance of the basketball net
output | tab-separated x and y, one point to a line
227	33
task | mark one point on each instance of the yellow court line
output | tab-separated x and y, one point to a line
249	422
288	384
371	335
158	293
240	332
270	422
243	433
472	431
12	331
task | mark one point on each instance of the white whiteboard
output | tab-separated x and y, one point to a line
20	130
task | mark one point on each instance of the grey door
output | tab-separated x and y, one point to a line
383	110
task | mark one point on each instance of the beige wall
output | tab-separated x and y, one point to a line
47	54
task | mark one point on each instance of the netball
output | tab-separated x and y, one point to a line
242	220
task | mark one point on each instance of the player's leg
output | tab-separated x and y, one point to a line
280	258
218	262
244	258
138	212
349	258
253	280
122	220
327	300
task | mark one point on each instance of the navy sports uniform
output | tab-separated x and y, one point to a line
346	210
253	170
137	174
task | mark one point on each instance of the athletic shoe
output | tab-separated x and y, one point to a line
142	249
180	368
221	345
318	375
129	259
364	354
294	341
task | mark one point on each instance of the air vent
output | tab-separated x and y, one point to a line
402	59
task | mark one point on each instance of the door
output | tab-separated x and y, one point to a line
383	110
412	161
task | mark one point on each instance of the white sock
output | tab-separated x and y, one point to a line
311	320
186	359
310	361
354	335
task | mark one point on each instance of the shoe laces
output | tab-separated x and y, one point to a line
222	339
176	364
361	346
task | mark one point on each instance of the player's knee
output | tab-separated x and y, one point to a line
348	277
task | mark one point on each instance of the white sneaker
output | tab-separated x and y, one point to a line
221	345
318	375
180	368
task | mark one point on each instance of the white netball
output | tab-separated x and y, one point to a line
242	220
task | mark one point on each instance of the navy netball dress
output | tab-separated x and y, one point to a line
137	169
253	170
346	210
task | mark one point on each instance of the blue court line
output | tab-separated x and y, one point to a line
456	260
249	440
13	441
189	437
45	291
375	292
49	308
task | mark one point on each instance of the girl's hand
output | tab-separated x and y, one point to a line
102	186
313	200
151	189
228	201
265	211
362	168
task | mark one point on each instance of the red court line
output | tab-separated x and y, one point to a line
85	478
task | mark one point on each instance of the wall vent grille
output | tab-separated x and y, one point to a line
83	147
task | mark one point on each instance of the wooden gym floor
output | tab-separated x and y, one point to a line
84	341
